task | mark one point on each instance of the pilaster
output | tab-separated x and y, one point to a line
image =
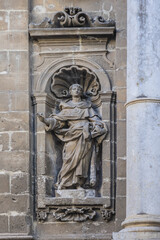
143	114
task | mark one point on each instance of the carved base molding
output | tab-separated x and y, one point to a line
142	226
136	235
79	237
74	214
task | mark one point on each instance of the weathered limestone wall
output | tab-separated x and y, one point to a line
39	8
15	108
143	114
114	10
119	87
14	118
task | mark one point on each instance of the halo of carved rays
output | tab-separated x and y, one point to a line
66	76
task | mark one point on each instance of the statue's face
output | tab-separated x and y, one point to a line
76	90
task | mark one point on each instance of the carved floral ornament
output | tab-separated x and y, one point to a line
74	214
107	214
73	17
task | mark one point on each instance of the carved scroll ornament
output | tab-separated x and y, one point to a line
73	17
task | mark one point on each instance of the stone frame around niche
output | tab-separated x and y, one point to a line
44	102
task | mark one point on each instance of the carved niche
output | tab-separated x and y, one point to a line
53	78
79	126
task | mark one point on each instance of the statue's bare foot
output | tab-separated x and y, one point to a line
59	187
92	183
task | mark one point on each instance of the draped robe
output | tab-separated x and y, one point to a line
79	127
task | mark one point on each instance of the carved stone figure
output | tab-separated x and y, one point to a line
81	130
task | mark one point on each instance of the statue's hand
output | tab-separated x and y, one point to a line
41	117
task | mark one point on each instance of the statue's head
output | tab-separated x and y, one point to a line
76	90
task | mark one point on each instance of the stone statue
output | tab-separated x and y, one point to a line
81	130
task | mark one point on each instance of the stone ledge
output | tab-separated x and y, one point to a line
38	32
95	201
16	237
78	237
75	193
136	236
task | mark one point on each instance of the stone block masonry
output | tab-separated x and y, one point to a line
14	119
16	75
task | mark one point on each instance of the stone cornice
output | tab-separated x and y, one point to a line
72	22
142	100
73	17
94	31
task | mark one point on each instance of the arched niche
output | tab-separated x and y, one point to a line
48	149
43	82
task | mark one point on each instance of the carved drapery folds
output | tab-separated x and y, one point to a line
78	126
73	17
72	55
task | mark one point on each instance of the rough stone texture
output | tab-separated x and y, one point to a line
18	224
19	183
20	141
4	20
12	5
145	84
18	61
4	183
14	161
14	121
117	74
14	118
102	7
137	235
143	114
16	154
3	224
4	141
18	20
75	193
120	88
16	203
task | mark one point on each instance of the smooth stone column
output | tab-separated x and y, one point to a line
143	122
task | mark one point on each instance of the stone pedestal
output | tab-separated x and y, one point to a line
143	126
75	193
